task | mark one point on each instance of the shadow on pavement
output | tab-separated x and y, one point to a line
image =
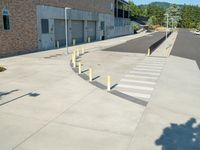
31	94
138	45
7	93
184	136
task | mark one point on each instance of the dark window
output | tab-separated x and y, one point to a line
6	20
45	25
102	25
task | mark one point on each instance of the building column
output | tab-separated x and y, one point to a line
69	32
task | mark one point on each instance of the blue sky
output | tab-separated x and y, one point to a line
192	2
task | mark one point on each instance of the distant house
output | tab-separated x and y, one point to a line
39	25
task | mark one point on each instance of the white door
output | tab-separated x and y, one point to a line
47	35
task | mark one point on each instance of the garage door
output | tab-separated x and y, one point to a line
78	31
91	30
60	32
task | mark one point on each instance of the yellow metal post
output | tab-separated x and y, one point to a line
90	74
74	42
149	52
58	44
77	52
89	39
74	60
108	83
79	68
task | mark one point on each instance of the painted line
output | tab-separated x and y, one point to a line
141	69
141	77
145	73
138	81
135	87
156	59
150	67
138	95
150	64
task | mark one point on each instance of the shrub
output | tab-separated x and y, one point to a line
2	69
135	27
198	26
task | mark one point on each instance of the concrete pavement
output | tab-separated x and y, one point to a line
45	105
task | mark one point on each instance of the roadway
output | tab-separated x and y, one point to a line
187	45
139	45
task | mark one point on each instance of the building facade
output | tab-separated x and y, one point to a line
30	25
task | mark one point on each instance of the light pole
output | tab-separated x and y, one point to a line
167	15
66	29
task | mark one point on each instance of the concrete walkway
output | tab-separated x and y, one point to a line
45	105
165	48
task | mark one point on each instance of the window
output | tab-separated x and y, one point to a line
45	25
102	25
6	19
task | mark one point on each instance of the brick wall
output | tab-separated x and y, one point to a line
23	33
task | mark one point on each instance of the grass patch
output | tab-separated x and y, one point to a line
2	69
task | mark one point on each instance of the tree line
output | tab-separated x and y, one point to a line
184	16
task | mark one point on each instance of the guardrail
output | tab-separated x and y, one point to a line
156	44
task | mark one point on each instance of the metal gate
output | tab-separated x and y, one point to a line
60	32
78	31
91	30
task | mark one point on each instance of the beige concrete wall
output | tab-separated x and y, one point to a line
23	20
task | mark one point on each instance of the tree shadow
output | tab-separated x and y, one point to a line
181	136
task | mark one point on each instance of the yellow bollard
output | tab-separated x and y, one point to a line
90	74
77	52
79	68
149	52
108	83
74	61
58	44
74	53
89	39
71	58
74	42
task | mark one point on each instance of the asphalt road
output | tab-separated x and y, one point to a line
187	45
139	45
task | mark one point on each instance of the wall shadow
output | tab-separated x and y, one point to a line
184	136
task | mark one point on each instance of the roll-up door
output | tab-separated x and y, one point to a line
78	31
60	32
91	30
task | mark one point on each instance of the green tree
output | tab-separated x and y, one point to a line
152	21
190	16
174	12
158	12
135	10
